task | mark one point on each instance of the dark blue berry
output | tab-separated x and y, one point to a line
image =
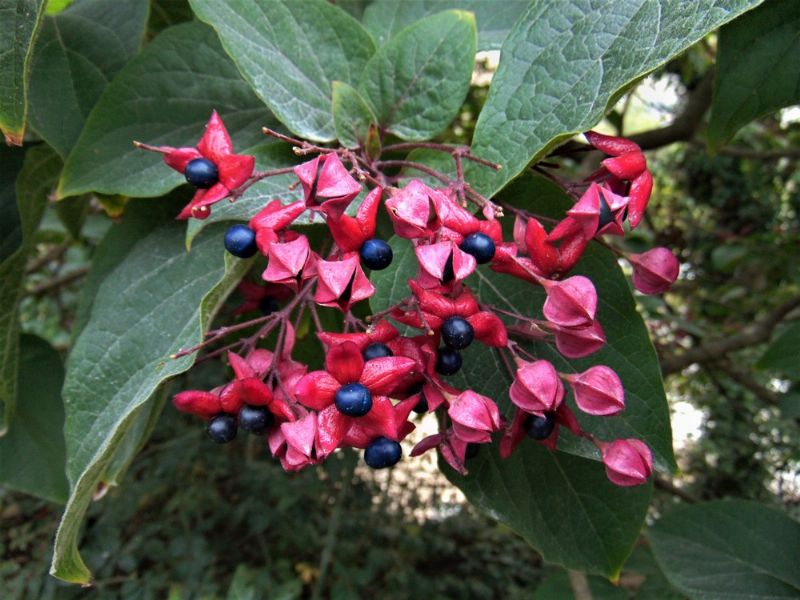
222	428
255	419
382	453
471	451
376	254
448	361
201	173
240	241
457	333
605	212
479	245
447	273
376	350
353	400
540	428
268	305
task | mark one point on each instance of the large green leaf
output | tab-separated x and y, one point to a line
781	355
725	550
563	505
19	24
528	490
10	231
78	52
756	68
290	52
385	18
22	201
564	63
351	115
257	196
164	95
140	219
32	453
417	82
156	300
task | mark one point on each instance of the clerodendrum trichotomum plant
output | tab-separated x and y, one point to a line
373	239
375	377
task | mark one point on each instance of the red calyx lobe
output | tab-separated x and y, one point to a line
216	146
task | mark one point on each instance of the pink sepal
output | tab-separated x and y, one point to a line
654	271
537	388
342	282
628	462
571	302
598	391
578	343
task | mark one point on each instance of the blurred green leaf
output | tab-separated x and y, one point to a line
728	549
756	68
23	197
726	256
783	353
32	452
72	213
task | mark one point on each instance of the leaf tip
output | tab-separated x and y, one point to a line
77	574
13	138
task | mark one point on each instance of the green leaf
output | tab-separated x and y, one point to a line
158	299
564	63
165	13
10	231
351	115
789	405
563	505
417	82
756	68
164	95
655	586
268	156
290	52
72	213
23	199
140	220
77	53
386	18
19	24
32	453
781	355
729	549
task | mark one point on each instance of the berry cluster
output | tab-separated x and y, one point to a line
374	375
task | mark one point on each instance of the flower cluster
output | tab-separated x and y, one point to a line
380	372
